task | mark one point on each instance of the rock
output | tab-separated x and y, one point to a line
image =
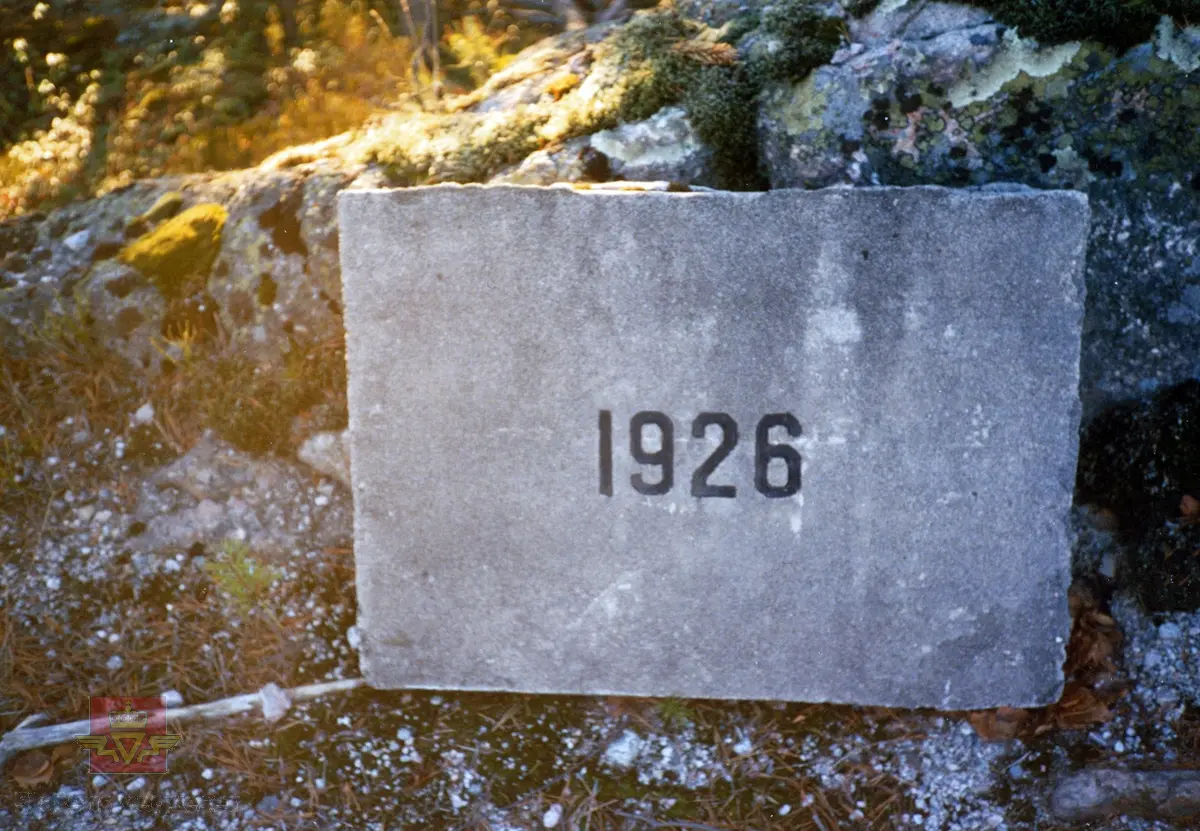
278	279
125	311
215	493
1161	795
165	207
843	314
78	241
961	100
623	752
275	702
576	161
663	147
940	94
328	453
20	235
177	255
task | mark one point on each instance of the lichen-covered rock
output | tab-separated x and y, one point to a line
165	207
124	310
663	147
955	98
177	255
574	161
278	278
942	94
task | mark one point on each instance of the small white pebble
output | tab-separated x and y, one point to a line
784	810
99	781
144	414
115	663
172	698
321	501
207	774
553	816
53	584
136	784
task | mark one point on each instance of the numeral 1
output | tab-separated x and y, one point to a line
606	460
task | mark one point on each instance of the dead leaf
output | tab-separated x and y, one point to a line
1001	724
1189	508
1092	682
1079	707
32	769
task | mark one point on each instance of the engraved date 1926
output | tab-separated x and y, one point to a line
664	457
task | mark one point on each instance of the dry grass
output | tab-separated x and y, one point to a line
161	649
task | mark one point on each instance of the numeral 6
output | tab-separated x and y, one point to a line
764	452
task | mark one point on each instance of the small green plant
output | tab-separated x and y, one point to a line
675	713
237	572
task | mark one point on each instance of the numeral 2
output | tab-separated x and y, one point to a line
729	438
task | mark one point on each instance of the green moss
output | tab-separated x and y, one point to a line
1119	23
178	254
655	72
722	106
793	39
659	58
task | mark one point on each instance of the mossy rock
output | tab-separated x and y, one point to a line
178	254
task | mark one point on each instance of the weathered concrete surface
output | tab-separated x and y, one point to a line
926	340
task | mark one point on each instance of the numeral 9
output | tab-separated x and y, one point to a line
664	457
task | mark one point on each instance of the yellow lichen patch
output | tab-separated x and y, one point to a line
561	84
179	253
